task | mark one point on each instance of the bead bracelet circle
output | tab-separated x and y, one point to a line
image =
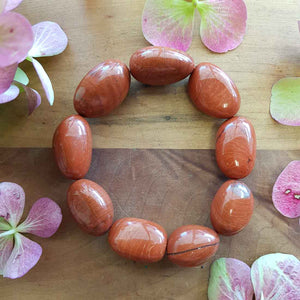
212	92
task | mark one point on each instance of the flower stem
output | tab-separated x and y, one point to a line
8	232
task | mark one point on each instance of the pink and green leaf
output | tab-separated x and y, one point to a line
276	276
286	191
168	23
285	101
12	199
229	279
6	247
49	39
24	257
43	220
223	24
16	38
4	225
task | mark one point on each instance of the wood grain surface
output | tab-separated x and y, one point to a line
170	187
156	117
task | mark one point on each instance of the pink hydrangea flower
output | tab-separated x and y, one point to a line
21	41
18	254
16	35
169	23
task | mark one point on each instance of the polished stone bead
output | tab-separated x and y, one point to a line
231	208
192	245
102	89
72	145
160	65
213	92
138	239
236	147
90	206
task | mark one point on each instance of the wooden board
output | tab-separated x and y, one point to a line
171	187
160	117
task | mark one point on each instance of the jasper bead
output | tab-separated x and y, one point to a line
236	147
102	89
160	65
138	239
90	206
231	208
72	145
192	245
213	92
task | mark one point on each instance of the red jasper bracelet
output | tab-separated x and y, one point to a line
212	92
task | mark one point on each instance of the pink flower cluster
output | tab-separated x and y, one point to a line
19	41
19	254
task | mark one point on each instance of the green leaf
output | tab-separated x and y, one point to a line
285	101
21	76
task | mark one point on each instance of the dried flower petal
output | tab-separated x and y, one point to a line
168	23
229	279
2	5
276	276
285	101
4	225
16	38
12	4
24	257
286	191
33	97
223	24
43	220
6	247
12	199
11	94
49	39
7	75
45	80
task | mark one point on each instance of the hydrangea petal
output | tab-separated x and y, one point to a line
45	80
7	75
286	191
168	23
229	279
4	225
49	39
223	24
16	38
11	94
43	220
24	257
276	276
12	4
12	199
21	77
2	5
6	247
285	101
